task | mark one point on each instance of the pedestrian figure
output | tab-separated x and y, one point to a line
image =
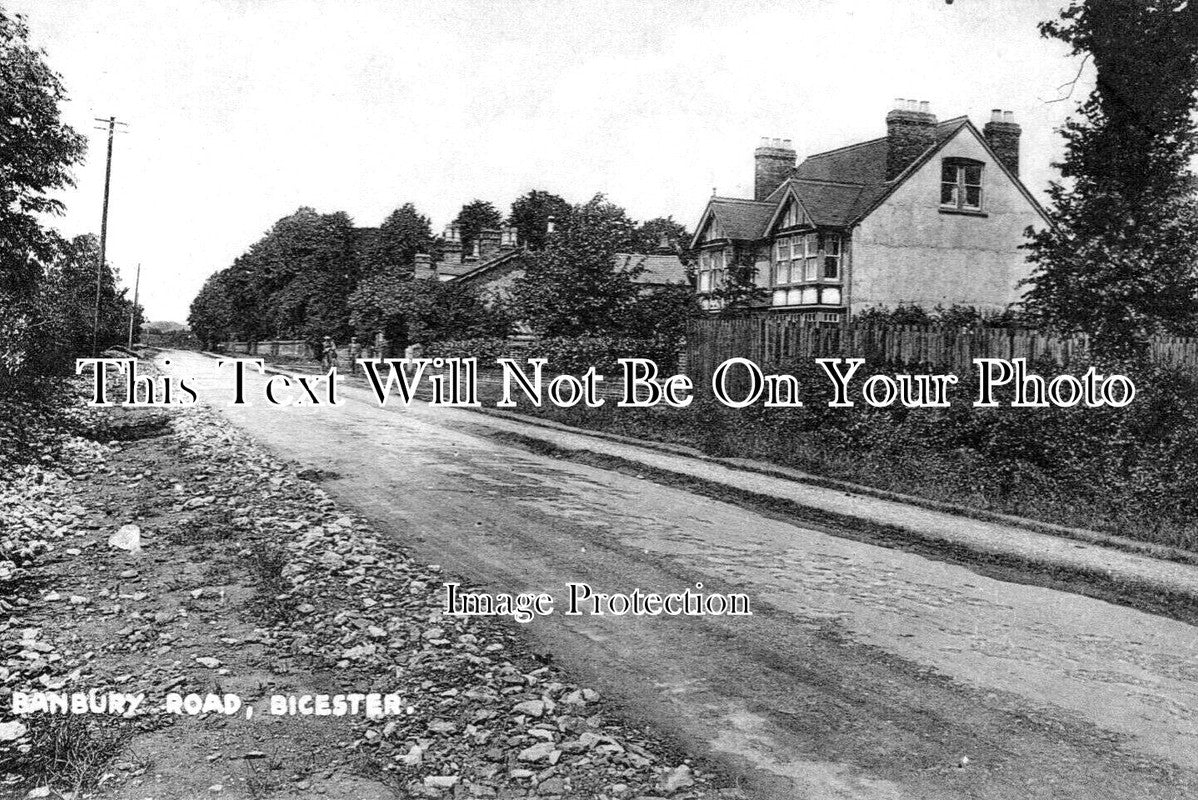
378	345
329	353
355	351
413	351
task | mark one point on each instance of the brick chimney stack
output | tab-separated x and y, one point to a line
1002	134
774	160
424	267
489	243
910	130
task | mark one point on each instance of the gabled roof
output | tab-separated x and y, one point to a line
838	188
467	271
737	218
826	203
659	268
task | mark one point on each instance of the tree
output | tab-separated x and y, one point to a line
530	217
36	153
211	314
425	310
662	234
574	287
474	217
404	233
1119	261
65	306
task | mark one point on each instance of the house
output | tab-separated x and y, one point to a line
489	249
494	272
932	213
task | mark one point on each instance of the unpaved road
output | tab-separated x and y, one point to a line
864	672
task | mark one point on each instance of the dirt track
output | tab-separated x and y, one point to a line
865	671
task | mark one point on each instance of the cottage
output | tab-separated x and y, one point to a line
932	213
495	276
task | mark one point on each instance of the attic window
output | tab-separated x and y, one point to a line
961	184
793	216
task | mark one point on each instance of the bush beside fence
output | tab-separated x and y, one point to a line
781	340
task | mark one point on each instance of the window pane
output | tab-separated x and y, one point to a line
948	173
831	267
811	241
948	194
973	176
812	270
973	196
832	245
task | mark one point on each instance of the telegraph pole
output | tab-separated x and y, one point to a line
133	310
111	125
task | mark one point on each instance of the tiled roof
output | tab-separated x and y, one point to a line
835	204
741	219
473	269
659	269
865	162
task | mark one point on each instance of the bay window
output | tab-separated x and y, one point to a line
712	264
807	258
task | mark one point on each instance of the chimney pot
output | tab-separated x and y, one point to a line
899	104
925	107
1008	116
996	115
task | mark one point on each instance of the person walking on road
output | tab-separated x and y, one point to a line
329	353
355	351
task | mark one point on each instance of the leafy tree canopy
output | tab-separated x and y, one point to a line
1119	261
473	218
574	287
425	310
662	234
530	217
36	153
404	233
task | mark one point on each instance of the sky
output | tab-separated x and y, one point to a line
239	112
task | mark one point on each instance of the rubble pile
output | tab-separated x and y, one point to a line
484	717
217	563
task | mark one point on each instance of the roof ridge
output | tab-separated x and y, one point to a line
953	119
824	180
739	200
845	147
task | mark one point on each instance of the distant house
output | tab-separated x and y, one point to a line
932	213
494	275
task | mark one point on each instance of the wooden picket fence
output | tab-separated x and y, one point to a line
780	340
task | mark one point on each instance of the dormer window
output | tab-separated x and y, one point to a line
961	184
